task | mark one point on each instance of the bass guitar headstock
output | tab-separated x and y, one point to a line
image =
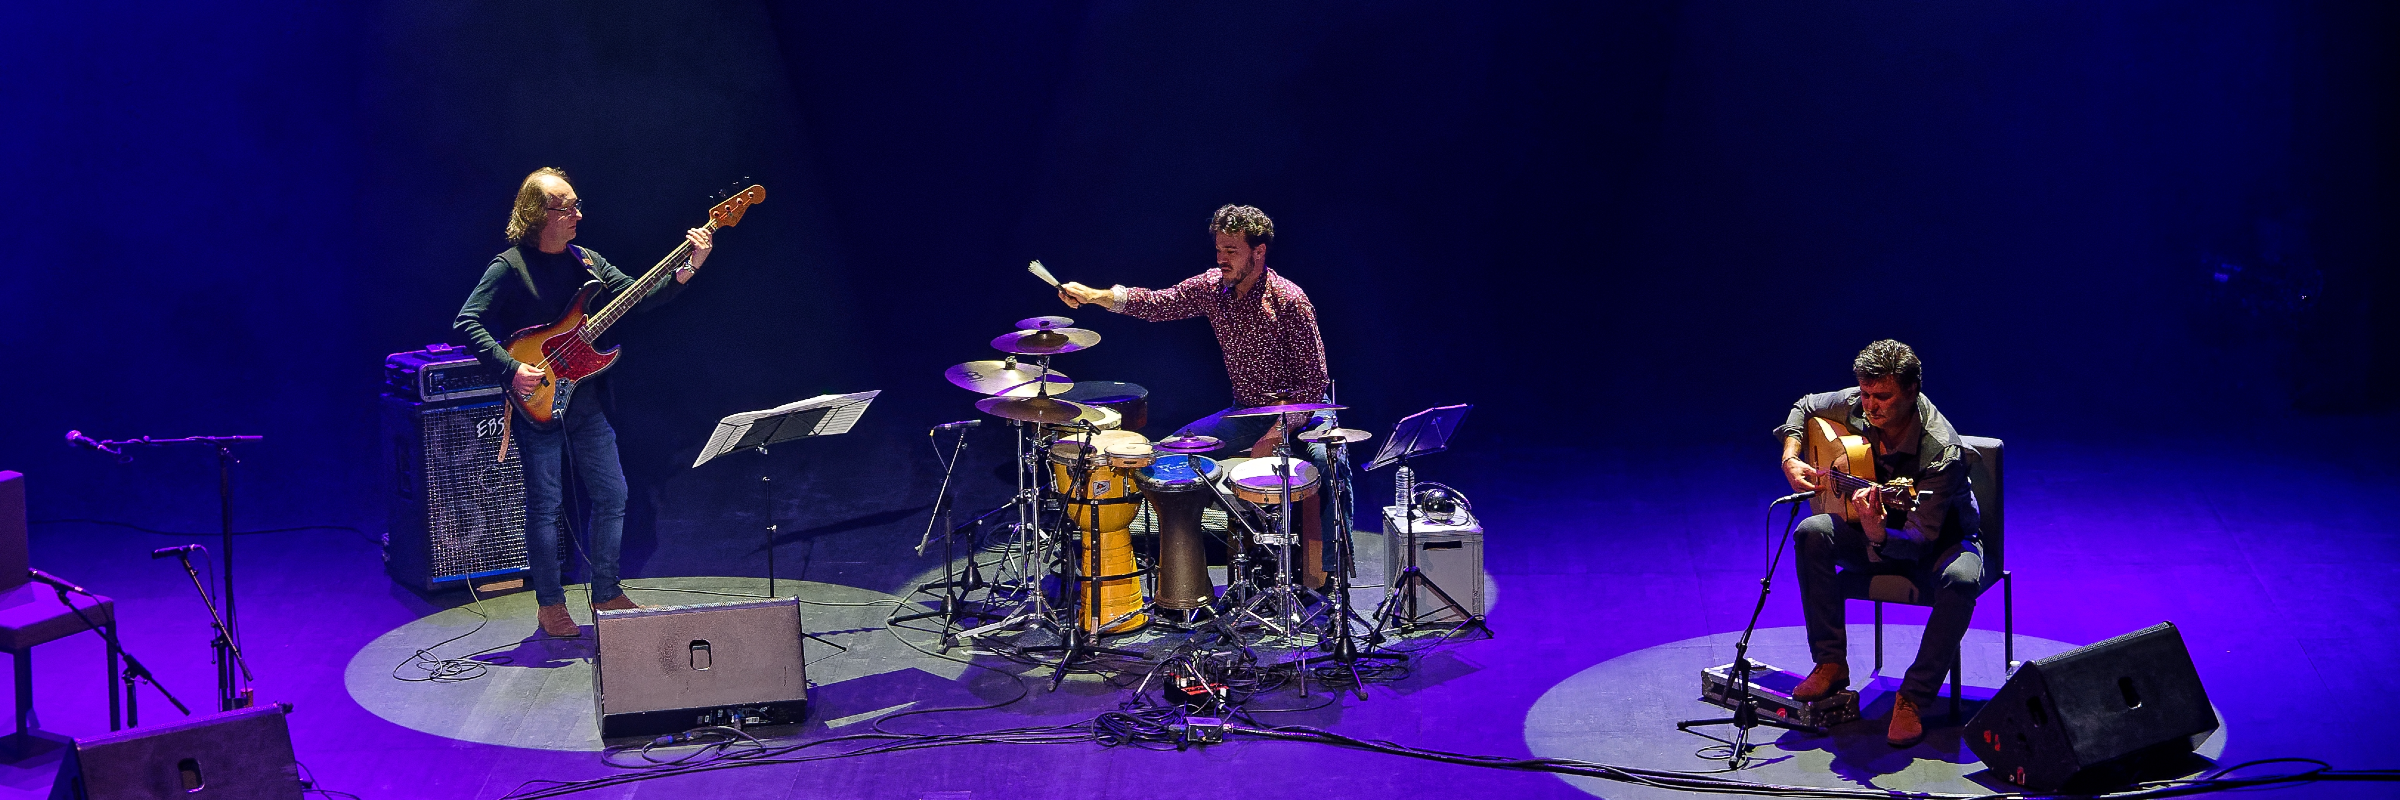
729	213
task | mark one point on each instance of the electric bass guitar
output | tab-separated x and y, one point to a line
1845	463
563	350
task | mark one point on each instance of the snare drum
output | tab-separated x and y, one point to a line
1257	481
1177	486
1110	487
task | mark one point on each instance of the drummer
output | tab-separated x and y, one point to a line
1273	351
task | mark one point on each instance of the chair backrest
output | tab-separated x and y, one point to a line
1983	471
16	556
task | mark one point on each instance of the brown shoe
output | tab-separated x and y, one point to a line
617	603
1822	682
556	622
1907	728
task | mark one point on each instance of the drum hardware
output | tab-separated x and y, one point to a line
1083	589
1345	651
1287	408
1336	436
1421	434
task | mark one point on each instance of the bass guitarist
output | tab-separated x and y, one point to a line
528	285
1934	544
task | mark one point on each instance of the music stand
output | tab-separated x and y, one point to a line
823	415
1420	434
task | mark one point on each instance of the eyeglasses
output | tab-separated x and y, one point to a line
576	207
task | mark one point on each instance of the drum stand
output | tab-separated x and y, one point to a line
1029	543
1074	643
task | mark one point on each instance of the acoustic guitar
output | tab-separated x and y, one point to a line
563	350
1845	463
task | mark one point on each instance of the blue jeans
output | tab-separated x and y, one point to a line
1238	433
594	443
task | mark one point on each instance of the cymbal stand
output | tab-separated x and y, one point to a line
955	583
1074	643
1281	599
1345	650
1028	544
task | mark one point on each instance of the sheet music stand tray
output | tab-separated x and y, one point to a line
1420	434
823	415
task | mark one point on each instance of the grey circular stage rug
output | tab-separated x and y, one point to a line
535	691
1623	712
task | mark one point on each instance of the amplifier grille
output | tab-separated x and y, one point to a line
474	503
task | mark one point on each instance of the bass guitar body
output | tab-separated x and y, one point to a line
565	358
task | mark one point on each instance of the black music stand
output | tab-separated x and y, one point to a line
1420	434
823	415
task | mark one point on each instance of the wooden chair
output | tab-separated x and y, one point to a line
1983	473
31	614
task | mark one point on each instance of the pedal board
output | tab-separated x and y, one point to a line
1772	688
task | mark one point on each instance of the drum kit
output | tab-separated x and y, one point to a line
1085	473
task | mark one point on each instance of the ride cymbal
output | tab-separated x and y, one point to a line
1005	379
1043	410
1046	342
1043	323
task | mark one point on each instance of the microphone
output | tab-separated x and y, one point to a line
1791	498
57	581
77	439
964	423
180	549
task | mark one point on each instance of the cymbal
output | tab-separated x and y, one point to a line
1046	342
1032	409
1043	323
1187	444
1287	408
1336	436
1005	379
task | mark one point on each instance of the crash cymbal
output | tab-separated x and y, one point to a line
1046	342
1187	444
1032	409
1336	435
1005	378
1287	408
1043	323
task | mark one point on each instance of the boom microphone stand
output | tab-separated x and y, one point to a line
134	674
233	671
1745	706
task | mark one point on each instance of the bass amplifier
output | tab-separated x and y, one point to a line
440	372
454	510
673	668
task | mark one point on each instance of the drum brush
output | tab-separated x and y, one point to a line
1041	272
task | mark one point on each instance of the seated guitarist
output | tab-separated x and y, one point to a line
527	285
1936	544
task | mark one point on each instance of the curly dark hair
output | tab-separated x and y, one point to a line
1889	358
1248	221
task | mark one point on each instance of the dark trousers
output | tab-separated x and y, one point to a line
1955	577
593	443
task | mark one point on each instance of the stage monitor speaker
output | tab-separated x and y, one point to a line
673	668
244	754
2094	716
456	510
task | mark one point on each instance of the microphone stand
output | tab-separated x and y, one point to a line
134	673
1737	692
231	625
233	671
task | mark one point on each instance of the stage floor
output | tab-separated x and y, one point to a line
1622	576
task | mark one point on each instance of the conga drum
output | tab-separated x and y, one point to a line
1177	488
1099	498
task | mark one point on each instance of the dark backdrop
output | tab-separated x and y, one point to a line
1608	225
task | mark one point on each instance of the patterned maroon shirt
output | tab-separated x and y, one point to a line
1273	351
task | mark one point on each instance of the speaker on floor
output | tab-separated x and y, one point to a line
244	754
455	510
2092	717
673	668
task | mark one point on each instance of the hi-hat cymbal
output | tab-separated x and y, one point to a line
1187	444
1046	342
1044	410
1005	378
1336	436
1043	323
1287	408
